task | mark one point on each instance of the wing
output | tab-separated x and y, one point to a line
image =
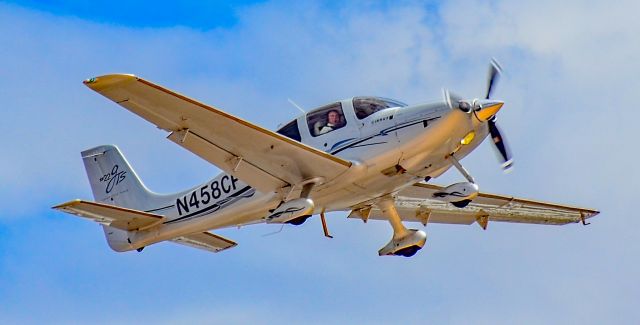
113	216
263	159
205	240
415	203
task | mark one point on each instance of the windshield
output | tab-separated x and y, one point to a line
365	106
291	130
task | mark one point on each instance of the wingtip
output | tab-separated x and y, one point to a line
66	204
106	81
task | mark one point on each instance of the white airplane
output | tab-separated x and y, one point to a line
368	155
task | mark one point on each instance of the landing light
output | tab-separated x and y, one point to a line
468	138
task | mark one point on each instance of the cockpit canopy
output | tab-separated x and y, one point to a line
331	117
365	106
291	130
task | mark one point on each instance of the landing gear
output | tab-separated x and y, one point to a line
405	242
299	220
409	251
296	211
459	194
461	204
461	169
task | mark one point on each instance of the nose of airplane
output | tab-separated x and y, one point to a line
486	108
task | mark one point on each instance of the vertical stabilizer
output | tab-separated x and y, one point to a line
114	182
112	179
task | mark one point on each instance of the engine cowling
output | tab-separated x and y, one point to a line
405	246
291	210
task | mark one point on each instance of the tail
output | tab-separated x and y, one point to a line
112	179
114	182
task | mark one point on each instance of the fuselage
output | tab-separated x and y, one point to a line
392	146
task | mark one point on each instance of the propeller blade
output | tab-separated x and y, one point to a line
500	144
494	75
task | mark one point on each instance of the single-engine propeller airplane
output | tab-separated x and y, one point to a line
370	156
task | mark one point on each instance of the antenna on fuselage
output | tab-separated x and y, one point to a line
296	105
275	232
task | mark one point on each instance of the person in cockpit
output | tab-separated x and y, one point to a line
333	122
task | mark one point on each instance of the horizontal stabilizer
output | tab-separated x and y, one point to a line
206	241
109	215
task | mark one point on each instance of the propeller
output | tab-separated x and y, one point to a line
500	144
485	110
498	140
494	75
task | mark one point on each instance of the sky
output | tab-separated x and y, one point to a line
570	87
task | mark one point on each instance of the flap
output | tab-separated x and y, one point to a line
263	159
416	203
109	215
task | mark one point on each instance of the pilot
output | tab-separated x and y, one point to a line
333	122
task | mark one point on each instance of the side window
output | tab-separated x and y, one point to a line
365	106
326	119
291	131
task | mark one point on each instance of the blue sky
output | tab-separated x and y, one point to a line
140	14
570	86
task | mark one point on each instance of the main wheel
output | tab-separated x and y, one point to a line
408	251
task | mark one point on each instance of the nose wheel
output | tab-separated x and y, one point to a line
461	204
459	194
